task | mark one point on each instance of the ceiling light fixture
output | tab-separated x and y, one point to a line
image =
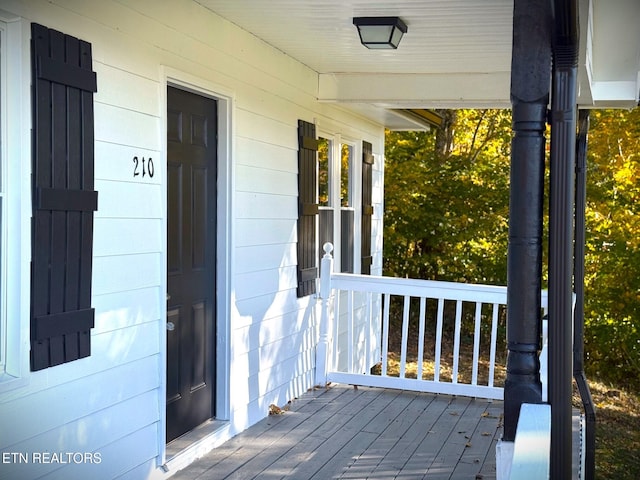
380	32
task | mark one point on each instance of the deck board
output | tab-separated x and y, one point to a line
366	433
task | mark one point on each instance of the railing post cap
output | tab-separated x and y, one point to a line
328	248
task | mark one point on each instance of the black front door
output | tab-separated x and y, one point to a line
191	244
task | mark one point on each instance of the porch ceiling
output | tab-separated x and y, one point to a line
456	54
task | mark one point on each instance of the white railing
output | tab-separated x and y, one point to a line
356	312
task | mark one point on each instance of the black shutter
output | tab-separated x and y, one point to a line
367	207
63	198
307	208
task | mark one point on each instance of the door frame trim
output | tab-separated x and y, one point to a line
224	251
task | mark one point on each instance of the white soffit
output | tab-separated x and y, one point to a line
614	45
456	53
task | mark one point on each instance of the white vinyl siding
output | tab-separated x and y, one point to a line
117	393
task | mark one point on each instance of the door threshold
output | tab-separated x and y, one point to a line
194	444
183	442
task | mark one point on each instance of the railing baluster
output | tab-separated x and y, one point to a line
422	321
368	331
456	341
438	352
385	333
350	326
494	339
405	333
476	343
336	327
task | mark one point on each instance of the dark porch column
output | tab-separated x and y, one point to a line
530	79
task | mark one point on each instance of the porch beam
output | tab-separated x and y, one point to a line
530	75
417	90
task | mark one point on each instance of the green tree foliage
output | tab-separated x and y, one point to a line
446	199
446	218
612	276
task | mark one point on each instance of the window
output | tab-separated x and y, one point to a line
347	208
337	200
334	204
325	200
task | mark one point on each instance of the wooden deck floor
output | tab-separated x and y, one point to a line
347	433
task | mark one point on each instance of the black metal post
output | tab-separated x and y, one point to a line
578	275
561	228
530	74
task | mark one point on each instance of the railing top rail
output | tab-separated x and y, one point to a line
419	288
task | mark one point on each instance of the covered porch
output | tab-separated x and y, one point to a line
409	377
543	46
420	401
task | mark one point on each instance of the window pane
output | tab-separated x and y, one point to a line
325	231
324	155
346	155
347	225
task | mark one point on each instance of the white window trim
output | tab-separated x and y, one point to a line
16	164
337	140
3	203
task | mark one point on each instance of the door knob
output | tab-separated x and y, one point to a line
171	326
168	297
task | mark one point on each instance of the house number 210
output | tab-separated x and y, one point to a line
143	167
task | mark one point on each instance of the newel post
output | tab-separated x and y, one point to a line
323	350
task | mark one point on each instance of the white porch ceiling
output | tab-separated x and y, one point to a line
456	53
